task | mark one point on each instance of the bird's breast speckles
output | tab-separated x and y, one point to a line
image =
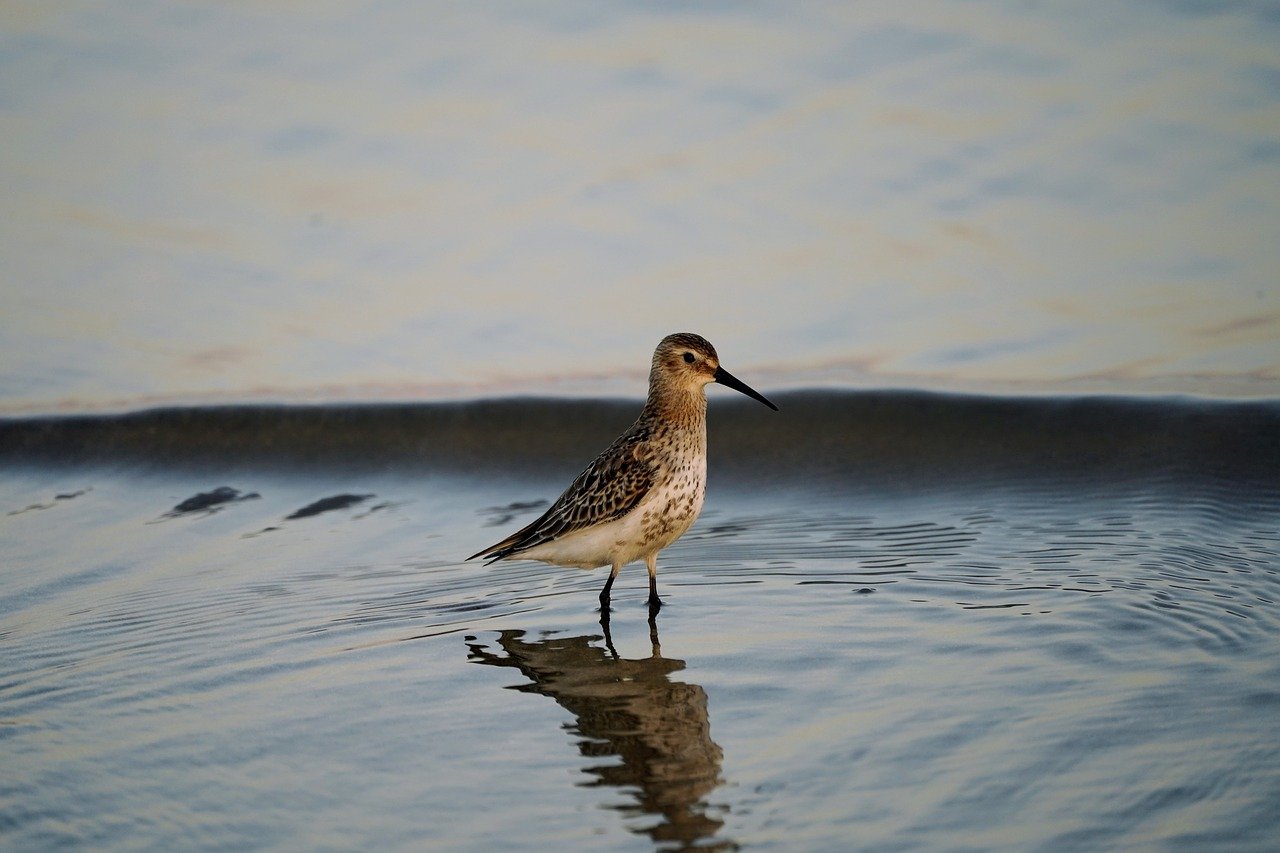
674	508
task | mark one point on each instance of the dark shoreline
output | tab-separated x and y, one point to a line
877	436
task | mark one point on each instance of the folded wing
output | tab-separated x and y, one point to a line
611	486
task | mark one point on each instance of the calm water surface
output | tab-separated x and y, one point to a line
218	202
908	658
905	621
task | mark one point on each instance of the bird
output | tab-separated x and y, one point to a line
647	487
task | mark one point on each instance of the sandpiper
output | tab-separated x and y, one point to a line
646	489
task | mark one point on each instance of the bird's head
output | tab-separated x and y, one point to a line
689	362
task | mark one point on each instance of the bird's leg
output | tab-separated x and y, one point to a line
655	603
608	635
608	585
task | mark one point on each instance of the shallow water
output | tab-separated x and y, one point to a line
212	650
904	621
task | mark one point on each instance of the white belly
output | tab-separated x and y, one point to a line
660	519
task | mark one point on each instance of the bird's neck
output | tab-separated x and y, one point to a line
680	407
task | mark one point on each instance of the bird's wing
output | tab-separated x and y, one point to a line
608	489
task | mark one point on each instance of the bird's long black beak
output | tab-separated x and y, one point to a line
724	377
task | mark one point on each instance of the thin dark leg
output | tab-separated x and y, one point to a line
608	635
655	603
604	593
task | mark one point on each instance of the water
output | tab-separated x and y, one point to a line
402	200
926	633
1027	619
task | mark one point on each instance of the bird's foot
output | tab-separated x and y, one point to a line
655	604
608	635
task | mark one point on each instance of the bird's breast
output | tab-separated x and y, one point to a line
675	504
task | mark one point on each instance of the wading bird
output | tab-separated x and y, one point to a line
646	489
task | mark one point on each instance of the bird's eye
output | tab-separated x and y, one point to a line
688	358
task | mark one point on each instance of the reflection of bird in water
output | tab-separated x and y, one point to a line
630	709
645	490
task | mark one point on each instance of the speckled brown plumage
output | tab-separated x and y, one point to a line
646	489
608	489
